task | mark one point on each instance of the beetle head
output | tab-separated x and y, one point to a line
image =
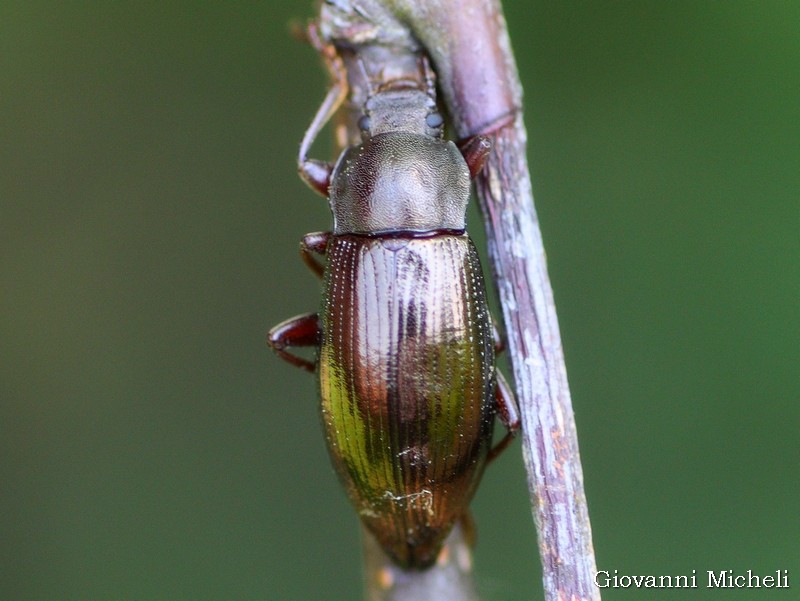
407	110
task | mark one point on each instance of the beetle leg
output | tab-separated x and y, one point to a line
499	343
316	242
317	174
509	415
475	151
302	330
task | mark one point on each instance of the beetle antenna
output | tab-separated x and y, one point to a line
430	76
367	79
336	94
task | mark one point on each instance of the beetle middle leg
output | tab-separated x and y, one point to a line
506	403
508	412
300	331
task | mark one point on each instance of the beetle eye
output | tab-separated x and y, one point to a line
434	120
364	123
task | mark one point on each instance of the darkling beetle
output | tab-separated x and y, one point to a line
405	344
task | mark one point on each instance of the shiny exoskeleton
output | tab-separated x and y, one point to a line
405	342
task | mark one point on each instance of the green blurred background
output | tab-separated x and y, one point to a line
151	448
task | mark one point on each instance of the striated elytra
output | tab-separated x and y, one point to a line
406	368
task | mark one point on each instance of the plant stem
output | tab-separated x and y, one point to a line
469	46
479	81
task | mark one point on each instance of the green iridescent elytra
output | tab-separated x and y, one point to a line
406	368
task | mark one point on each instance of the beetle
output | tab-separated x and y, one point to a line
405	343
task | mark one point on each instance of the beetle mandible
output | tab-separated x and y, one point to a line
405	343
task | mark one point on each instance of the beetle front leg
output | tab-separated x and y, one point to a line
508	412
475	150
314	243
300	331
